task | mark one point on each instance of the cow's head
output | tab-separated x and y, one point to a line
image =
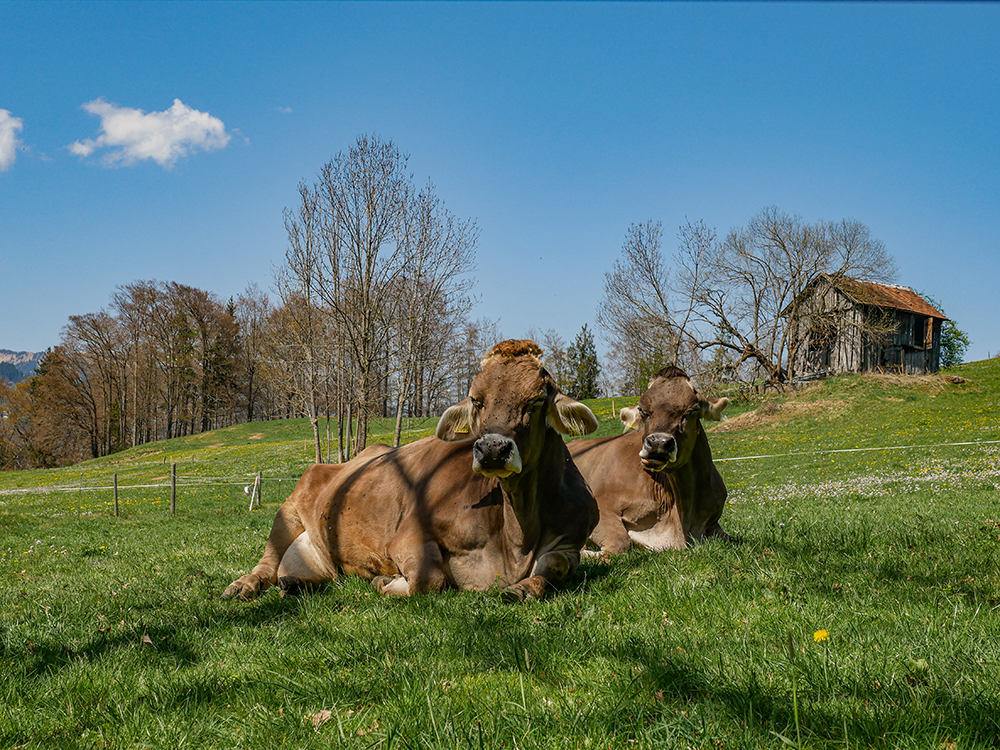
669	414
511	404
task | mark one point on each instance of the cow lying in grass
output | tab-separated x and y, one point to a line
656	485
507	509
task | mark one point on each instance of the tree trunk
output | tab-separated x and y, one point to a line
314	421
350	431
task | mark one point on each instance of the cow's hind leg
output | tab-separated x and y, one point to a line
303	566
285	530
420	564
551	568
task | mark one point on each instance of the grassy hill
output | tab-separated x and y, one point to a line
864	507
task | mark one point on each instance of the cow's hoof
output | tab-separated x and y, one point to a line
237	590
245	588
514	594
391	585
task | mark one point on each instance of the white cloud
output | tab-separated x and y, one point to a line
132	135
286	110
9	128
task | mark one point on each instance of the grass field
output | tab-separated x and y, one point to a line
113	635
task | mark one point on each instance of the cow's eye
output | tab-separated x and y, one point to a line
644	414
477	403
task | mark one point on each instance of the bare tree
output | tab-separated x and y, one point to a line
135	304
253	310
97	349
389	268
361	194
303	336
439	253
477	337
744	292
555	358
634	315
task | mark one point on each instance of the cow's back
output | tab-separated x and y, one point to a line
611	469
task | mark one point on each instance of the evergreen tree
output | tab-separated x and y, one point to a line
954	341
584	369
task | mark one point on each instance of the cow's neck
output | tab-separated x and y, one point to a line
523	493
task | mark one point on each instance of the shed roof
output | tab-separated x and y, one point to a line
886	295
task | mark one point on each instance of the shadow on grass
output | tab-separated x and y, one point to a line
171	644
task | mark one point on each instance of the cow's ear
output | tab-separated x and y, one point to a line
630	417
459	422
714	407
570	417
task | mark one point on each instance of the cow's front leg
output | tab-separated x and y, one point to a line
610	535
550	568
285	530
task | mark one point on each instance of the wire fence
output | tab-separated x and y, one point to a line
253	483
247	480
829	451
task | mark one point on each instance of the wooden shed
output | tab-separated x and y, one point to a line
847	325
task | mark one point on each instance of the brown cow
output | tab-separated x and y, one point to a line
656	486
507	509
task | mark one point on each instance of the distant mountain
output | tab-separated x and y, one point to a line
16	366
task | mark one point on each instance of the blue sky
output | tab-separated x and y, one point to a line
553	125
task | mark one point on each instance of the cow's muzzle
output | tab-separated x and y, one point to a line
658	450
496	456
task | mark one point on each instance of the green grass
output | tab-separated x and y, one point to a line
112	632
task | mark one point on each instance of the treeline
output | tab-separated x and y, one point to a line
371	318
167	360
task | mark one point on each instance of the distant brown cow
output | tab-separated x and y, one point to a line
656	485
507	509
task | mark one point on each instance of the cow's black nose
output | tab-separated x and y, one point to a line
660	444
493	451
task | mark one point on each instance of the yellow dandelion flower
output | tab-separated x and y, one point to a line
820	635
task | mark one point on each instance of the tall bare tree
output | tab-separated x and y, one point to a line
389	266
304	344
744	292
253	310
439	255
634	314
361	194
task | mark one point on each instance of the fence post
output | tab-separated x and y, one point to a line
173	488
256	492
116	494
